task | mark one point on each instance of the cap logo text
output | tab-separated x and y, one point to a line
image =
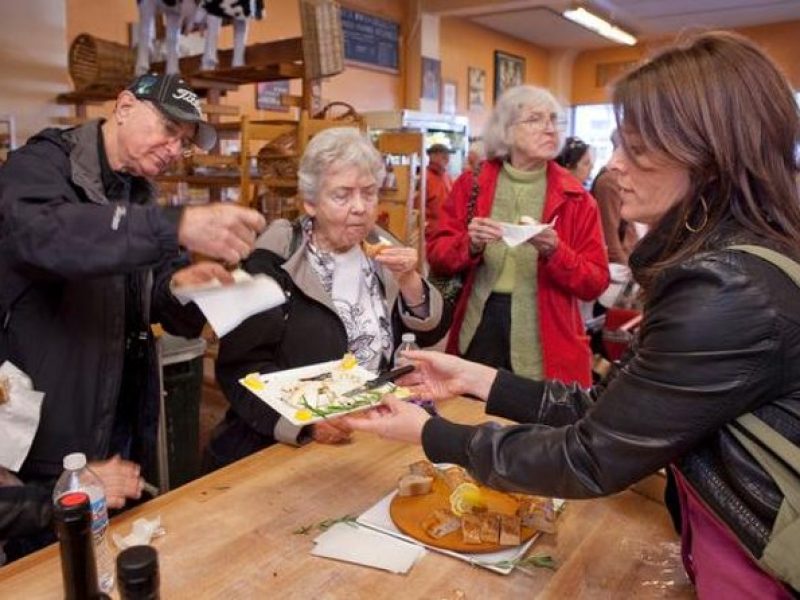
189	96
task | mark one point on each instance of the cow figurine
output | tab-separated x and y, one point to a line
191	14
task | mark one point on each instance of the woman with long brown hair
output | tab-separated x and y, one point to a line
707	159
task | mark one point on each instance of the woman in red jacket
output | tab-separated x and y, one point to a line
519	306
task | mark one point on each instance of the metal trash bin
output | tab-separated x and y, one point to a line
179	437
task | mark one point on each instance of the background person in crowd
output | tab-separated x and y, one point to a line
86	263
696	122
577	158
519	306
437	185
475	155
620	235
339	299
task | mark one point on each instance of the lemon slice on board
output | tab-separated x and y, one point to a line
465	498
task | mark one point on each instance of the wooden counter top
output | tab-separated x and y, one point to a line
230	535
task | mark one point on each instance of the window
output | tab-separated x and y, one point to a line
594	123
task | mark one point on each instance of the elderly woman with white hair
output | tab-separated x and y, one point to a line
518	308
338	299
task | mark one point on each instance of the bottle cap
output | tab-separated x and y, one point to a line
138	566
75	461
409	338
73	507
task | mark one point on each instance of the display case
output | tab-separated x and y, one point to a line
450	130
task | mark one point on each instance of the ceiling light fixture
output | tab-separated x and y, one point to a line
591	21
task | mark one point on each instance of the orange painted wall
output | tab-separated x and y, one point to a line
782	43
780	40
463	44
363	88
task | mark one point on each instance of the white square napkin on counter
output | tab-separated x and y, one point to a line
226	306
363	546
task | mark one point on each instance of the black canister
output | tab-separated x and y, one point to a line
137	573
73	518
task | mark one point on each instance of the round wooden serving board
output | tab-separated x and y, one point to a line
408	512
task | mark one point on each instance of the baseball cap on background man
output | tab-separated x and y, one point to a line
433	149
173	97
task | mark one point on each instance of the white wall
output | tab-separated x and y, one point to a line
33	63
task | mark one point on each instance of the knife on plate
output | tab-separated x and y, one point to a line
380	380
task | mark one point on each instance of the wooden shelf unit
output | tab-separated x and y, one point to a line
405	203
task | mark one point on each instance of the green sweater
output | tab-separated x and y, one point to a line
512	270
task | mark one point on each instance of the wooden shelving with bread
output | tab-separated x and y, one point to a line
100	69
265	167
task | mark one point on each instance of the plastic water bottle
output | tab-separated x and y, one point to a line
409	342
77	476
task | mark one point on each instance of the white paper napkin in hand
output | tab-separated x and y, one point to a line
514	235
19	416
363	546
142	532
226	306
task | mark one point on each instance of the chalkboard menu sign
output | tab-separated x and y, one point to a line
371	40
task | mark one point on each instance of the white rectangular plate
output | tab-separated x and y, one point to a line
273	394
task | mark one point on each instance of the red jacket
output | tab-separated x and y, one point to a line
437	187
577	270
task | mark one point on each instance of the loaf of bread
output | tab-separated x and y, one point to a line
490	528
440	522
455	476
471	529
510	530
423	467
537	513
372	250
412	484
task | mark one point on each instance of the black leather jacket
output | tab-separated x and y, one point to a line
720	337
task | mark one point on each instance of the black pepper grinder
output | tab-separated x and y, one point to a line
137	573
73	518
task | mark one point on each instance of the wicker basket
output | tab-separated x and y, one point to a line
96	64
323	40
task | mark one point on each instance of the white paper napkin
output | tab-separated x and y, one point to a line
19	417
142	532
514	235
620	275
363	546
226	306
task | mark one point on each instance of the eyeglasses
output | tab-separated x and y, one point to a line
540	121
172	130
346	196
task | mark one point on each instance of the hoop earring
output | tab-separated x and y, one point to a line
704	221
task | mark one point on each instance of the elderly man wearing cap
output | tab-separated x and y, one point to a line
437	185
87	260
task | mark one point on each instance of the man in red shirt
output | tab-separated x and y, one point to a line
437	185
